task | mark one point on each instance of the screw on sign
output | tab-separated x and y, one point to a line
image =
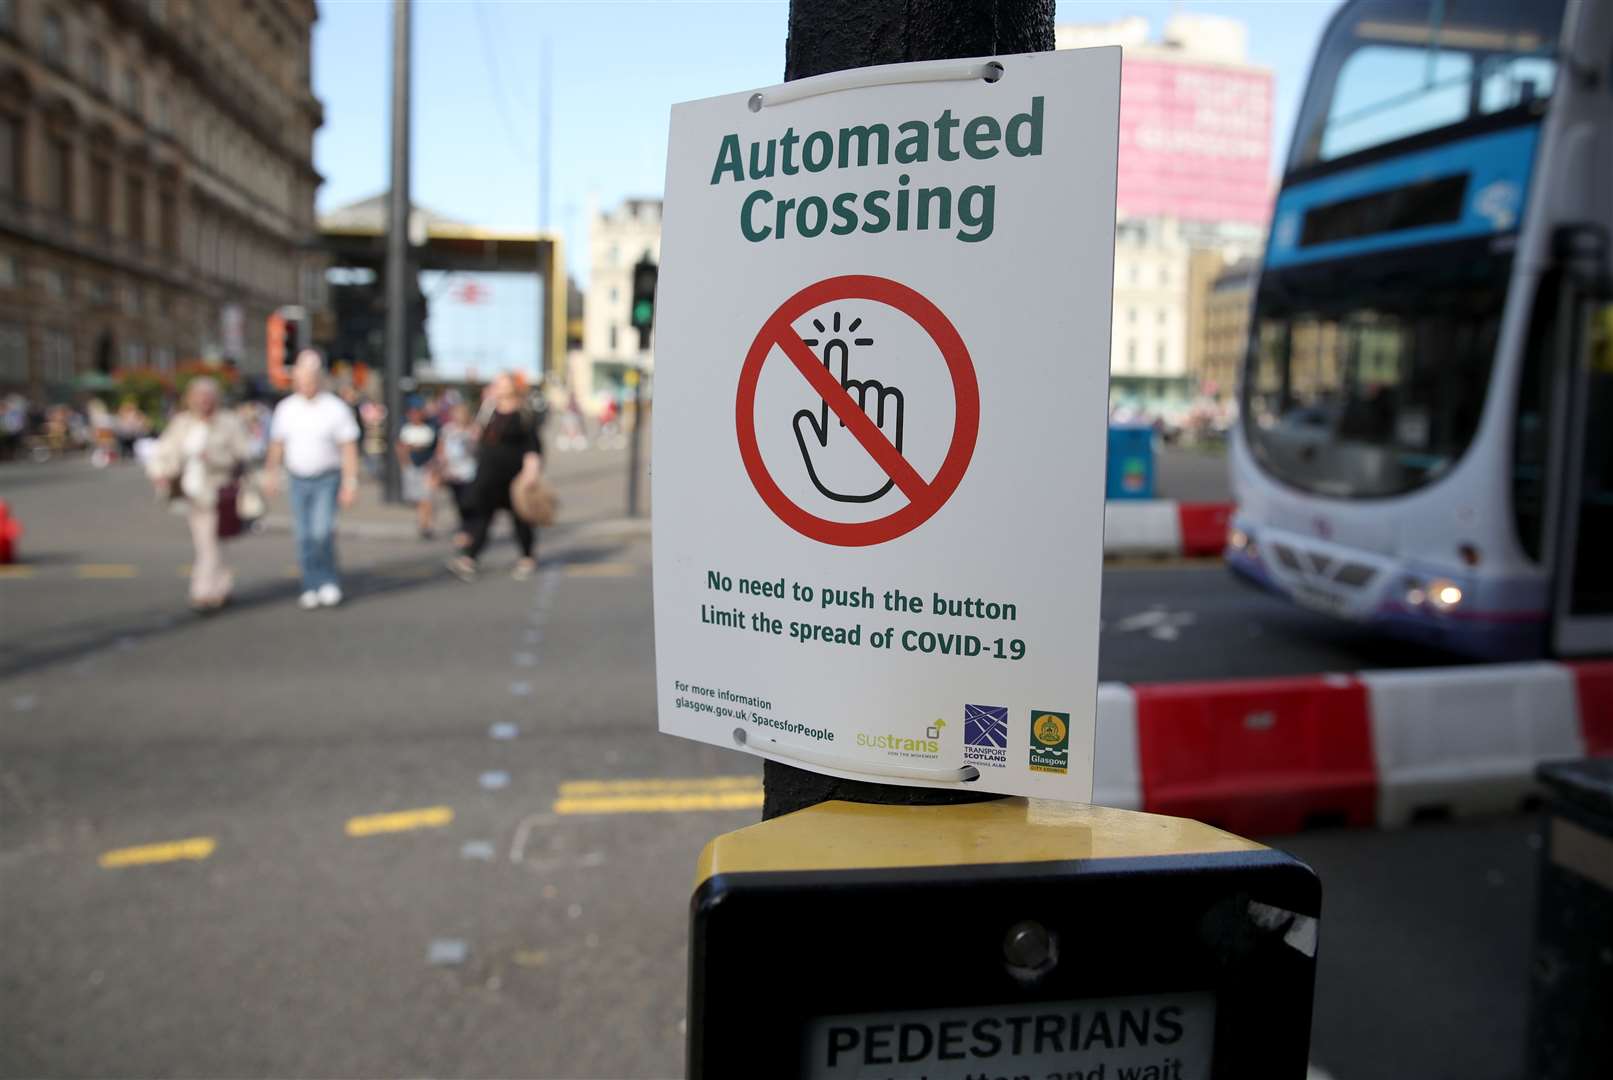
871	412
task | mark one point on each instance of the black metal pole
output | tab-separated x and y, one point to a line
633	436
833	35
633	446
398	279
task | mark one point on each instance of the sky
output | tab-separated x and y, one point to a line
616	67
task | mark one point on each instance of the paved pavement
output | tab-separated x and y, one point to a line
434	832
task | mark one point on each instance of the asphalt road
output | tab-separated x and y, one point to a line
434	832
1196	474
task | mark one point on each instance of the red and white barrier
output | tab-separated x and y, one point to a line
1466	740
1164	527
1271	755
1116	776
1383	748
1594	684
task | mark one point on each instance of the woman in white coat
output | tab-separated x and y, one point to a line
203	450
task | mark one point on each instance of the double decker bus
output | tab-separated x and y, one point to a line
1425	441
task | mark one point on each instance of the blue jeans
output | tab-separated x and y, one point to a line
313	513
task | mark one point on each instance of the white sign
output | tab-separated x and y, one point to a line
1163	1037
882	350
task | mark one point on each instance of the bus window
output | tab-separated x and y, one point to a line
1389	70
1371	383
1592	589
1531	426
1386	93
1507	82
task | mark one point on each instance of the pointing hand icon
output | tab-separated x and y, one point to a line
846	477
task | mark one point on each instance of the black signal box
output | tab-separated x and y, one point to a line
998	939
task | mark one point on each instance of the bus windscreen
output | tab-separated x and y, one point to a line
1368	379
1394	70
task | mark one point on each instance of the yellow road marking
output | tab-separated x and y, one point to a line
197	847
652	796
430	817
661	804
16	572
586	788
602	569
106	570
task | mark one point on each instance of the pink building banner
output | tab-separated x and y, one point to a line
1195	141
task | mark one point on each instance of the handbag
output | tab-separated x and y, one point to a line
239	506
229	515
533	500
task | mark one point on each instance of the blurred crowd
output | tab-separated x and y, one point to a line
215	447
110	428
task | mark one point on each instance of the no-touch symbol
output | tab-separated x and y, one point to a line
924	497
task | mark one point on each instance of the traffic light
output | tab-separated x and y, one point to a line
275	336
282	341
642	315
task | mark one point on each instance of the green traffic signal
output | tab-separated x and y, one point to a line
643	313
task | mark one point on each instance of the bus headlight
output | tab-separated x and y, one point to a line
1444	595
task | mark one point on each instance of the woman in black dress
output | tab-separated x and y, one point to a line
509	447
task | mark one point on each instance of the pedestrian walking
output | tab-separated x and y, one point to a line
201	458
456	464
103	433
13	425
509	448
417	455
254	415
610	426
314	435
131	425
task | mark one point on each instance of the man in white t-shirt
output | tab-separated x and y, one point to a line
315	436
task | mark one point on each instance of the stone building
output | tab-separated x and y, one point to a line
1193	191
617	240
1224	338
156	182
1148	357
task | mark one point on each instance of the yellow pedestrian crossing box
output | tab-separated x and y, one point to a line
1010	938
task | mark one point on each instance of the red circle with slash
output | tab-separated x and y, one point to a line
924	497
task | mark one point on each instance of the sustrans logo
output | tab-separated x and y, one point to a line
901	745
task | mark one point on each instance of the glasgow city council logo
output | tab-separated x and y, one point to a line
1050	741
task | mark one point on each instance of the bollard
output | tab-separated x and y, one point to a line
1570	1036
1007	938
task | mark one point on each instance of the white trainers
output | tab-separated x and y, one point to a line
330	595
308	600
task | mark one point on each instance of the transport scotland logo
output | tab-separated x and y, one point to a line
985	735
